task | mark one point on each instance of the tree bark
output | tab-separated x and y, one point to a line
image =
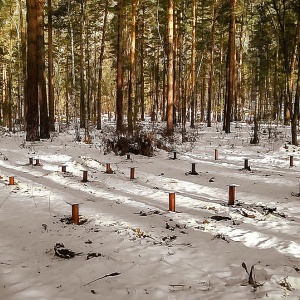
230	71
119	79
50	69
142	76
170	78
82	67
101	58
132	67
193	64
23	62
42	92
295	115
32	115
211	71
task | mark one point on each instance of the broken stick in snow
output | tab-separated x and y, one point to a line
107	275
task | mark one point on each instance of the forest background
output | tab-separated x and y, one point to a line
177	61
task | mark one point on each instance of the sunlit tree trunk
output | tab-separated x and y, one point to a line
50	69
10	73
132	67
73	84
4	95
175	65
181	69
193	64
142	71
170	77
42	91
82	67
67	90
211	71
101	58
119	99
23	60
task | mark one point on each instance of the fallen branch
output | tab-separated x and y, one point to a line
177	285
5	199
107	275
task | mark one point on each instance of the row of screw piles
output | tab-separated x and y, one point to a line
11	179
75	207
231	197
231	187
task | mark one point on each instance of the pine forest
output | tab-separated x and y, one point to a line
177	61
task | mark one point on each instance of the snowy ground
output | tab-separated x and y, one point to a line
131	246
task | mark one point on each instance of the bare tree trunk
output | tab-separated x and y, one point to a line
73	85
4	96
42	91
211	71
132	67
10	100
119	100
50	69
230	72
142	89
67	90
193	64
101	58
82	68
295	115
295	112
181	71
32	116
170	102
23	61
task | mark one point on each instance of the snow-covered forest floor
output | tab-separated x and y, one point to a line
128	244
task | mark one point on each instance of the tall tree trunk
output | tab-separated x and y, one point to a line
101	58
50	69
87	76
211	71
176	77
119	100
230	71
67	90
132	67
73	85
42	91
10	73
164	91
4	96
295	115
142	75
23	60
239	82
82	68
193	64
32	115
181	70
170	79
296	106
